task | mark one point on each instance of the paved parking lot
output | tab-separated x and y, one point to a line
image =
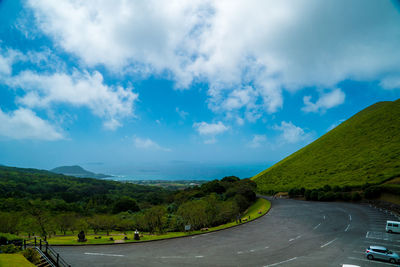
293	233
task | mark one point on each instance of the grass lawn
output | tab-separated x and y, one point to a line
14	260
259	208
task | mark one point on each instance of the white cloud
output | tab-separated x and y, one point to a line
210	130
290	132
272	45
147	143
111	103
258	141
183	114
391	82
204	128
24	124
325	101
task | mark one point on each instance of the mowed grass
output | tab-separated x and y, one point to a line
14	260
258	209
363	149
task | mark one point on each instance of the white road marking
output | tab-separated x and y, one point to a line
350	217
172	257
200	256
240	252
266	247
347	228
278	263
324	217
102	254
316	226
252	250
377	262
292	239
330	242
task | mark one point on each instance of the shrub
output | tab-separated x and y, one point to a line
372	192
329	196
356	196
9	249
346	196
339	195
32	255
307	194
336	189
314	195
327	188
321	196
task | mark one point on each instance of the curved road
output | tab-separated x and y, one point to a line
293	233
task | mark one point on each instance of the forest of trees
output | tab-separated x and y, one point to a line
42	203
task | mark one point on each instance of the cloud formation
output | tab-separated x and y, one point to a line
325	101
290	133
147	143
210	130
269	45
111	103
25	124
258	140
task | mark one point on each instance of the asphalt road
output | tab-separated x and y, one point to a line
293	233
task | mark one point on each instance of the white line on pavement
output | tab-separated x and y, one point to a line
200	256
102	254
316	226
278	263
377	262
297	237
330	242
350	217
347	228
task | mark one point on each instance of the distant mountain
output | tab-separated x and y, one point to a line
363	149
78	171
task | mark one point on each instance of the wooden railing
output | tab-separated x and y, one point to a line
44	247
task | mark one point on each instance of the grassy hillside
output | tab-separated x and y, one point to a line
363	149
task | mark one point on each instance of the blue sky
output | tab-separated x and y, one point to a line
186	88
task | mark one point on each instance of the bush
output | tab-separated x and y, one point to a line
307	194
9	249
356	196
346	196
372	192
321	196
336	189
339	195
314	195
327	188
32	255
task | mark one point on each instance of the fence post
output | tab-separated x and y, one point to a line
35	241
24	244
47	244
40	244
58	256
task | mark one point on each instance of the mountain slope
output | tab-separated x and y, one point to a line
78	171
365	148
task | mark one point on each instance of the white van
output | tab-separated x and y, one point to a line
392	227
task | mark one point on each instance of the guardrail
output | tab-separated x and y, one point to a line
51	255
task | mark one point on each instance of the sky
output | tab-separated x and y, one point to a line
187	89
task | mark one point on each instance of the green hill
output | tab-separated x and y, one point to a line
78	171
363	149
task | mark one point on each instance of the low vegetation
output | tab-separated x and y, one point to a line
364	150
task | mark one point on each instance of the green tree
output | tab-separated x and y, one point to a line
154	219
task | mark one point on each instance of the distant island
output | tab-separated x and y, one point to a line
78	171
